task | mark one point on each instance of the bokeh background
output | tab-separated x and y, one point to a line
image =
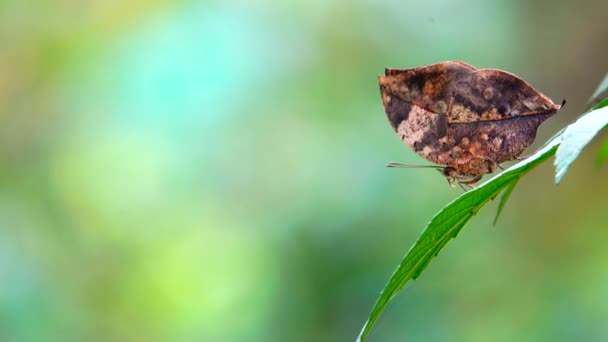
214	171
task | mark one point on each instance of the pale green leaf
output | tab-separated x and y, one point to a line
576	137
600	93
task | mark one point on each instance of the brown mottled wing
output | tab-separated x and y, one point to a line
414	102
453	114
425	87
490	94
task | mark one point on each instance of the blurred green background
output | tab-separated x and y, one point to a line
214	171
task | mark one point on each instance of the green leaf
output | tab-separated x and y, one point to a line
600	93
446	225
505	198
452	218
576	137
602	104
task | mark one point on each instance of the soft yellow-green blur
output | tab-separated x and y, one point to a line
214	171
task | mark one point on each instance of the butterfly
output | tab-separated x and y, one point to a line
464	119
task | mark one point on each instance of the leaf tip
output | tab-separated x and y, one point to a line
363	333
560	171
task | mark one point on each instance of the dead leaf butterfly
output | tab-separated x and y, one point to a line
464	119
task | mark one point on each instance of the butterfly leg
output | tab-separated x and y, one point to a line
470	181
492	165
465	183
469	186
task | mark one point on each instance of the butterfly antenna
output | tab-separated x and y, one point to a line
413	166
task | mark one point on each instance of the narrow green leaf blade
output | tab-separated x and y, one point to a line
505	198
576	137
600	93
446	225
602	104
